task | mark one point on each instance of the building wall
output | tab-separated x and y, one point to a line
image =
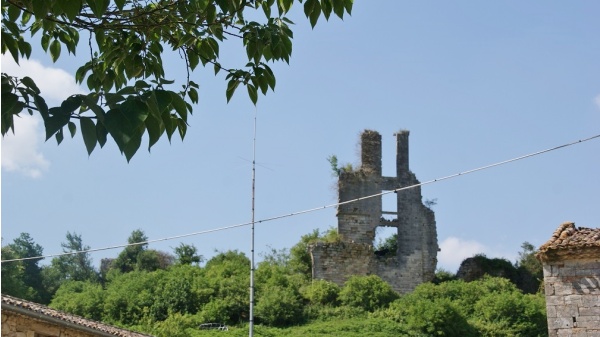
572	290
16	325
415	260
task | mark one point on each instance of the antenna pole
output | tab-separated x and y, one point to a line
251	327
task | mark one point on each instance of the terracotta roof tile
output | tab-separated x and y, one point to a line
42	310
569	241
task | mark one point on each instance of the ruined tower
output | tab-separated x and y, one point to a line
415	260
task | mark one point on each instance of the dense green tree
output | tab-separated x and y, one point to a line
529	269
13	279
228	276
130	296
128	258
181	290
75	267
278	298
137	256
126	41
24	247
187	254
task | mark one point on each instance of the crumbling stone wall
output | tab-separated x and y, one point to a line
415	260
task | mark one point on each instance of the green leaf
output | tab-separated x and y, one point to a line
10	107
59	136
182	126
101	133
56	121
98	7
123	123
13	13
10	103
231	86
41	105
45	42
10	43
54	50
70	7
71	104
88	132
72	128
309	6
326	7
170	124
91	102
252	93
155	127
24	47
120	4
315	14
338	8
40	9
179	105
29	83
133	145
193	94
348	4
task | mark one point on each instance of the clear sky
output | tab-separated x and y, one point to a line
474	82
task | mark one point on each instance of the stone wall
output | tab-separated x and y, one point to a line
415	260
15	325
572	290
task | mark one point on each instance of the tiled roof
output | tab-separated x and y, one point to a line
43	312
569	241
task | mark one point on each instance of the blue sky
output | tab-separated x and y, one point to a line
474	82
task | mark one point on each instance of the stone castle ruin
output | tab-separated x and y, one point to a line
415	259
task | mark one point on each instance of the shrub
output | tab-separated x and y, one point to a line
422	317
82	298
322	292
510	314
279	307
367	292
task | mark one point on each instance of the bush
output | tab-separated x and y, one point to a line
367	292
511	314
279	307
422	317
322	292
82	298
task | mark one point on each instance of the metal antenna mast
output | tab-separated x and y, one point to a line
251	327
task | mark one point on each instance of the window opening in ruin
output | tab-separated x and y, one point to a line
389	206
386	241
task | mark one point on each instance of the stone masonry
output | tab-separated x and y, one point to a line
571	262
415	260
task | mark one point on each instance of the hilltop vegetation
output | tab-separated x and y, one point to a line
171	295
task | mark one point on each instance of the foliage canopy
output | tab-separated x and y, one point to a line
126	41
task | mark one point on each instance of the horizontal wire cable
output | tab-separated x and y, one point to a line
278	217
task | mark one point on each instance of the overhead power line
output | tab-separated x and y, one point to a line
312	209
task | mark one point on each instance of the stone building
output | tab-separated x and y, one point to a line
415	259
22	318
571	262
